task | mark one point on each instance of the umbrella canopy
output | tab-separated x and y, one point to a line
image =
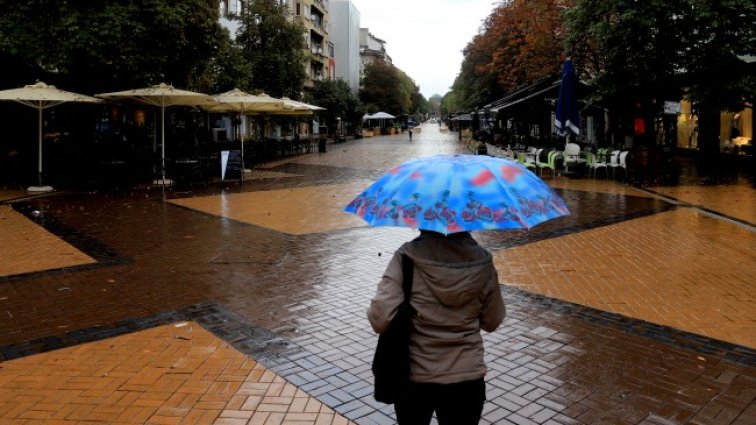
163	96
296	105
244	103
460	193
381	116
567	117
238	101
42	96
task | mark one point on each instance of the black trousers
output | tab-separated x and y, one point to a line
454	404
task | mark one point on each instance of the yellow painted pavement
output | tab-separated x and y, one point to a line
296	211
26	247
678	268
173	374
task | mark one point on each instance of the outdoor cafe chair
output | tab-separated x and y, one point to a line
594	162
527	162
614	160
550	163
572	157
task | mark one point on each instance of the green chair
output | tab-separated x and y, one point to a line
550	163
521	158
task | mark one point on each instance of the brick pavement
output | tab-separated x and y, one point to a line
294	301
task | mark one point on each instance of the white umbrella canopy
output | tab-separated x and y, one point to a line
296	105
163	96
239	101
381	116
244	103
42	96
290	107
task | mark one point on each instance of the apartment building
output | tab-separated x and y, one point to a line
345	34
372	49
314	16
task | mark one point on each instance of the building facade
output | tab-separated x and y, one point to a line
372	49
345	34
314	16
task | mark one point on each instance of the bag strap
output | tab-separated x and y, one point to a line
408	270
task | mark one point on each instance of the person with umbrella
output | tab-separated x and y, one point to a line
455	290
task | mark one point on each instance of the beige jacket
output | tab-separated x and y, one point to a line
456	294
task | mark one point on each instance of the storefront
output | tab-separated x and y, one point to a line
735	132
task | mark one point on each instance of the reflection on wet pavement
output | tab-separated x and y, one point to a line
295	301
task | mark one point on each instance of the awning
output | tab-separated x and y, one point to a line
521	96
463	117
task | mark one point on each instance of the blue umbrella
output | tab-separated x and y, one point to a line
460	193
566	107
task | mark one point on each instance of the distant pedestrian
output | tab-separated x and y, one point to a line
410	133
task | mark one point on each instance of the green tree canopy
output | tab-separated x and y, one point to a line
106	45
639	54
339	101
273	47
381	89
389	89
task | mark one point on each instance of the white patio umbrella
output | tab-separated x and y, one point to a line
163	96
296	105
42	96
381	117
244	103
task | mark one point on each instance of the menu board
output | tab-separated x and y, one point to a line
231	165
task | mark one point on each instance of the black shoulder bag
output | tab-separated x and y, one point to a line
391	364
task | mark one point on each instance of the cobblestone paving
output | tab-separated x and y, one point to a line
296	303
27	247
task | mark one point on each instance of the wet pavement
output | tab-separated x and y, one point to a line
636	309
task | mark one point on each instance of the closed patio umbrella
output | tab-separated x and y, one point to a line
567	117
42	96
163	96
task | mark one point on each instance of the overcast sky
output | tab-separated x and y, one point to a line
425	38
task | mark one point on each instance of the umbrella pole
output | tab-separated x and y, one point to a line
162	142
241	142
39	151
39	187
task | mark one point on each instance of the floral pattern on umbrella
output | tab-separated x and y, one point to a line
450	194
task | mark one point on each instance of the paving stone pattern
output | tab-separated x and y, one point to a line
296	304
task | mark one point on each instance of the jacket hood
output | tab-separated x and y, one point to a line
454	284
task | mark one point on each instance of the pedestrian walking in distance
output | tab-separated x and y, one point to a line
455	293
410	133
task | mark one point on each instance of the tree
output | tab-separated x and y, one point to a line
381	89
229	69
337	97
631	53
476	83
434	104
719	39
273	47
99	46
528	41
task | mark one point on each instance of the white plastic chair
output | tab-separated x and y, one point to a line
614	161
572	156
596	161
623	161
